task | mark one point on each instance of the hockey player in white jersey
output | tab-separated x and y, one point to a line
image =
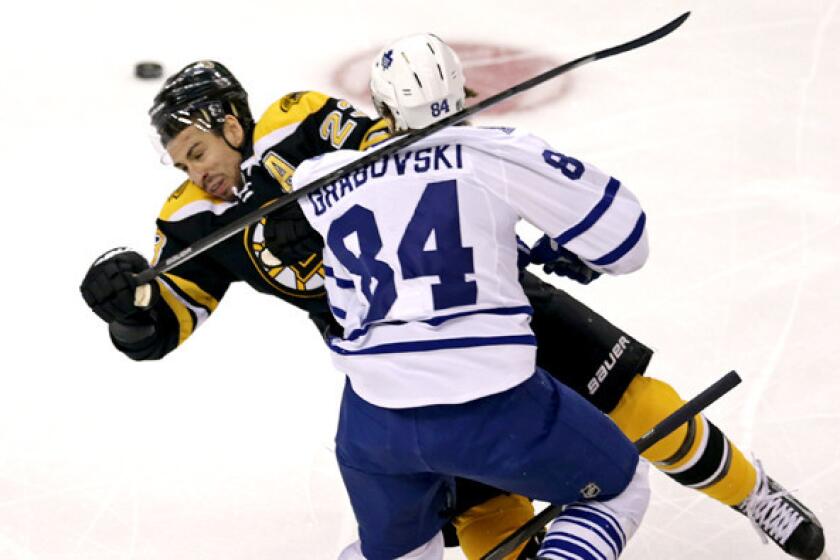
421	260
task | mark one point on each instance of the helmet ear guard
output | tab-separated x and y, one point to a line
419	79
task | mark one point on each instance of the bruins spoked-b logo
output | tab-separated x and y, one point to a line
290	100
302	279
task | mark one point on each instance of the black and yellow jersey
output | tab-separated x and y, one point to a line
296	127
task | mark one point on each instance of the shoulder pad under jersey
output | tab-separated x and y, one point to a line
284	115
188	200
377	133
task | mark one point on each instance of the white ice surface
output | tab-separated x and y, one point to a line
727	130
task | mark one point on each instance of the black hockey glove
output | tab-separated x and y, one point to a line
288	235
559	260
109	286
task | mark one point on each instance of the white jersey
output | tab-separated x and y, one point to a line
420	257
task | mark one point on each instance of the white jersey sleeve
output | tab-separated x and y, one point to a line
582	208
421	263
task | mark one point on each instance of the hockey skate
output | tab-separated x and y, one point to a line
776	514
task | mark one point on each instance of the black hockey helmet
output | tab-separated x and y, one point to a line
201	93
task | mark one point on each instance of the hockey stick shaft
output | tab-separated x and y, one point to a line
687	411
662	429
406	140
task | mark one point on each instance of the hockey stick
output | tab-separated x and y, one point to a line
256	215
665	427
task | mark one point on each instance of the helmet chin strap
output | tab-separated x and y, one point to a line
246	150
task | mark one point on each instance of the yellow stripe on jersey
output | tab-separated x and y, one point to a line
189	301
289	110
182	314
375	134
194	292
160	243
189	199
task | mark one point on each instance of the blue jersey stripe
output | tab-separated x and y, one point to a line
440	344
597	529
560	538
559	545
436	321
594	214
607	520
562	555
341	282
523	309
626	245
338	312
553	553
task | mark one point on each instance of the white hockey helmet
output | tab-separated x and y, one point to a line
419	79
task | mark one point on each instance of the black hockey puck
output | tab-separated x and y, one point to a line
148	70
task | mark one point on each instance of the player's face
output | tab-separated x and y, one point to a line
208	160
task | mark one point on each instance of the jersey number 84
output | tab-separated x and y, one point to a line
449	261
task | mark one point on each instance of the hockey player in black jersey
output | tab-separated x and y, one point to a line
217	192
235	164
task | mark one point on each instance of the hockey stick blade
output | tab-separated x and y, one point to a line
401	142
662	429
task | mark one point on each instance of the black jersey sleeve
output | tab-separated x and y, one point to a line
188	296
192	291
